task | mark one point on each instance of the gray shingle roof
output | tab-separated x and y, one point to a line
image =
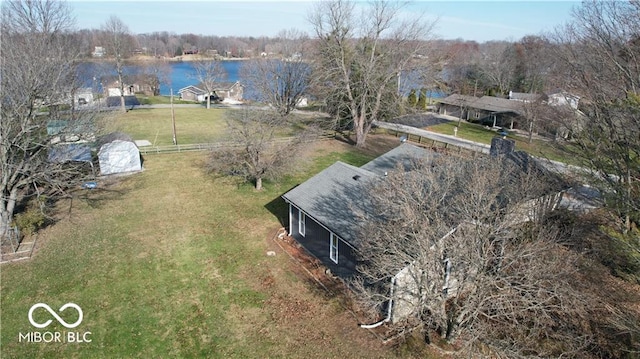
487	103
332	196
405	155
335	197
194	89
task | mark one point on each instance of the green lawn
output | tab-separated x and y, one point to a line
193	125
171	262
479	133
164	100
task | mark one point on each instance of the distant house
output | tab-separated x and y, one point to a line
229	90
493	111
221	91
559	97
192	93
146	84
98	51
524	97
118	154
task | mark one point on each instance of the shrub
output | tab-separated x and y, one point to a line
30	221
32	218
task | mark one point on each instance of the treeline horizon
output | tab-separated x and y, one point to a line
171	44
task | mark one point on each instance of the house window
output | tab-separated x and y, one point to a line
333	248
301	223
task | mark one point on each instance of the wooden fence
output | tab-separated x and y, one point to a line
150	150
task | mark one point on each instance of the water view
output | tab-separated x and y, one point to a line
183	74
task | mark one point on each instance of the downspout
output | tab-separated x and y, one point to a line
389	309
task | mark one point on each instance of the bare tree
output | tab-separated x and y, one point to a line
600	52
210	73
359	58
156	73
38	60
497	65
281	82
532	64
119	44
459	247
255	151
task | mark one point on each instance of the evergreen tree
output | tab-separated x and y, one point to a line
422	99
412	100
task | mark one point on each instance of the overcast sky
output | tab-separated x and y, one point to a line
469	20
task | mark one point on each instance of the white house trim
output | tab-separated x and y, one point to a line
333	247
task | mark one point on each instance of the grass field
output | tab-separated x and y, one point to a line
479	133
164	100
172	262
193	125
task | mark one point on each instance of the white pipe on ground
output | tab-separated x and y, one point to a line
389	309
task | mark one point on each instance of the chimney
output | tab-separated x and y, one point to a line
501	146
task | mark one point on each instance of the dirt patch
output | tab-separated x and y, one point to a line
317	301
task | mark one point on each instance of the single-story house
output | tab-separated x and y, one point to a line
118	154
321	210
490	110
192	93
146	84
326	210
221	91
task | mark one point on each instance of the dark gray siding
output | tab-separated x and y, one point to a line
317	241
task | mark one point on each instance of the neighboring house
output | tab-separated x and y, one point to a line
325	212
524	97
501	112
148	85
229	90
118	154
192	93
489	110
221	91
559	97
98	51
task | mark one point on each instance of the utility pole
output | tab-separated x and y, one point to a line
173	121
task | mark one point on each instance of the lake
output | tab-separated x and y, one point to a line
183	74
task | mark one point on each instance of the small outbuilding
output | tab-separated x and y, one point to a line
118	154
